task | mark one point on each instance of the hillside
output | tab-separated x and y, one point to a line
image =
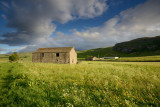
146	44
109	52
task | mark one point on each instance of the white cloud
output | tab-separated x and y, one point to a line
4	4
2	49
4	17
140	21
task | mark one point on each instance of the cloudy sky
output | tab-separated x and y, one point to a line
26	25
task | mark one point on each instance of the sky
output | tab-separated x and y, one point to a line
26	25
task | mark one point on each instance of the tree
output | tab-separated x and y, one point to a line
14	57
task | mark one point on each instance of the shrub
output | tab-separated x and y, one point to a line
89	57
14	57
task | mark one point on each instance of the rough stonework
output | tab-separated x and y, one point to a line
59	55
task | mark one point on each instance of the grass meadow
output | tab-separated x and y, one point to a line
136	59
89	83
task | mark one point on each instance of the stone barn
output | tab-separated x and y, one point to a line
59	55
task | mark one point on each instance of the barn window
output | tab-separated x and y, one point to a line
57	54
42	54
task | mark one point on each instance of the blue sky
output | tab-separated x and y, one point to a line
27	25
114	9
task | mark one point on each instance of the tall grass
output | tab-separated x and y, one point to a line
85	84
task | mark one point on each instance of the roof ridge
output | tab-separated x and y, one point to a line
55	49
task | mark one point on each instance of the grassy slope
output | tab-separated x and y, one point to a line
85	84
139	45
101	52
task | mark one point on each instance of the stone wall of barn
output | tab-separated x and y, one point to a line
73	57
36	57
48	57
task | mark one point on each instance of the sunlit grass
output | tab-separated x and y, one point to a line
85	84
141	59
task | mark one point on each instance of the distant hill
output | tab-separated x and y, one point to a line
109	51
146	44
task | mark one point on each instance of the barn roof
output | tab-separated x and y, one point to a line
55	49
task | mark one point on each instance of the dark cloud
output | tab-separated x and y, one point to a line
33	19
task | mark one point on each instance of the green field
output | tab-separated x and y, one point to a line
95	83
136	59
23	57
127	81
